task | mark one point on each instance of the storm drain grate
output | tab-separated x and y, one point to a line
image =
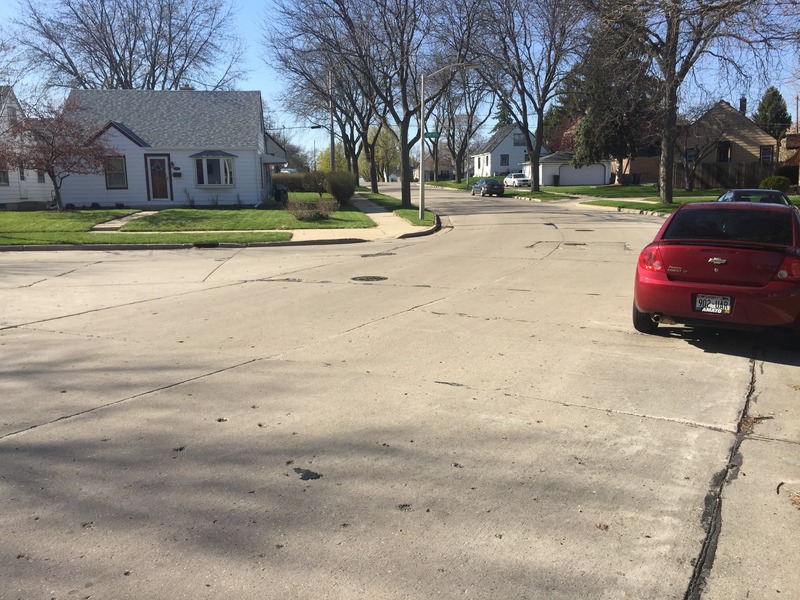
377	254
369	278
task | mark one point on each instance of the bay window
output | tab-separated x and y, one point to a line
214	168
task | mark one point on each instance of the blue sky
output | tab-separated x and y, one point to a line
261	77
249	17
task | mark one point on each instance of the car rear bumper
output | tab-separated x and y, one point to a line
776	304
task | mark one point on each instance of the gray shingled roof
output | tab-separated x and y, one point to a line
179	119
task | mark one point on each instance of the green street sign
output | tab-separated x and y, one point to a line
433	135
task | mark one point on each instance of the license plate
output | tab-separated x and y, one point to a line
718	305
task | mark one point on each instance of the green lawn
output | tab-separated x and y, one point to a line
644	197
187	219
173	226
51	221
393	204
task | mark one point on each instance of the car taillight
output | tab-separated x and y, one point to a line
650	259
790	267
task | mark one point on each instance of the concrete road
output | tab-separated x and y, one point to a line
468	414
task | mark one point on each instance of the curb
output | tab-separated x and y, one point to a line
210	245
437	225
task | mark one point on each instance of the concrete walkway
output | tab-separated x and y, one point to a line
388	226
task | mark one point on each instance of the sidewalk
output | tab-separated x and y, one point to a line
388	226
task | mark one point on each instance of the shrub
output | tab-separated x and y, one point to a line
776	182
314	181
305	210
292	181
341	185
789	171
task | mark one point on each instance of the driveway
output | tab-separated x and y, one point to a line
467	414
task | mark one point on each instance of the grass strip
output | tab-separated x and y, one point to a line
394	205
83	238
183	219
52	221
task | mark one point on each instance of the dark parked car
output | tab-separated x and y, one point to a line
761	196
488	187
717	264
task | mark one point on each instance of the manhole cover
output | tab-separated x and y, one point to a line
369	278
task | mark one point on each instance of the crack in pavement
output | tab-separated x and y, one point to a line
127	399
712	514
90	311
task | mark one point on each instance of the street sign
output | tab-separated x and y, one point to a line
433	135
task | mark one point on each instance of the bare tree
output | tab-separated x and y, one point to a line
322	87
386	45
526	56
459	114
133	44
58	141
738	35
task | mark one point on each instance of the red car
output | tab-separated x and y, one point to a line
721	264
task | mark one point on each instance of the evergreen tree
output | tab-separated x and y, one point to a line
502	117
772	115
619	97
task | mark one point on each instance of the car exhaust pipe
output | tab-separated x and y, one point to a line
662	319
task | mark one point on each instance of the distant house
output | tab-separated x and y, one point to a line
177	148
19	187
557	169
723	148
504	153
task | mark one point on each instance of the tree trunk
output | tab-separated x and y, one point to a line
406	146
536	151
620	174
56	191
435	154
666	168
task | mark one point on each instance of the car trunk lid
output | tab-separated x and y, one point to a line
720	264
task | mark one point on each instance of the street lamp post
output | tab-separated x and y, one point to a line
422	130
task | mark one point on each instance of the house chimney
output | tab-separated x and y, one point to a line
743	105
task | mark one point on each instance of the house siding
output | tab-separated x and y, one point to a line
489	162
595	174
250	182
84	190
19	193
725	124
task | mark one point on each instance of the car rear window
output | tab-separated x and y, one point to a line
763	227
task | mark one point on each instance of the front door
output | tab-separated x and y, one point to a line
23	184
158	177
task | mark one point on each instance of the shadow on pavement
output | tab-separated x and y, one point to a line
778	347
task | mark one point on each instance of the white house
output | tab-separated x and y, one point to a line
177	148
557	169
19	187
504	153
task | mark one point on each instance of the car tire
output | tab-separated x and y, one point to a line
472	192
642	322
483	193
